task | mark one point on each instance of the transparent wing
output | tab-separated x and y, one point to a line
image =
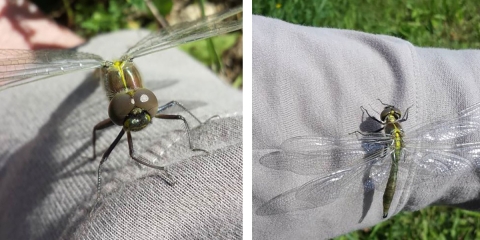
310	155
438	148
186	32
354	181
446	129
437	165
432	149
23	66
430	166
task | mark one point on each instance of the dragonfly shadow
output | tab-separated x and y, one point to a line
368	124
368	193
38	161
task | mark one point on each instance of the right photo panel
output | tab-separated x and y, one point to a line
366	119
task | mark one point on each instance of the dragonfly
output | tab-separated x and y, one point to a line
132	106
364	162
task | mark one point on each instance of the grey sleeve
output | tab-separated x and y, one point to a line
48	179
312	81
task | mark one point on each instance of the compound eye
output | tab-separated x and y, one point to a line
120	106
385	113
397	113
146	100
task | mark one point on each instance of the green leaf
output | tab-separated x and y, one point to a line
163	6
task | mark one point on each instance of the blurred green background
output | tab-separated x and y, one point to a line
445	24
88	18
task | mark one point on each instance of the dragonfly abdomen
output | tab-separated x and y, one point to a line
395	130
392	180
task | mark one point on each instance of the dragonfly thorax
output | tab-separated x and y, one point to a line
393	128
120	76
133	109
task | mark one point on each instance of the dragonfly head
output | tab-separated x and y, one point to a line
133	109
390	110
137	120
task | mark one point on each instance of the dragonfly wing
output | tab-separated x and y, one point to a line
438	147
432	165
186	32
471	151
448	128
325	190
312	145
23	66
310	155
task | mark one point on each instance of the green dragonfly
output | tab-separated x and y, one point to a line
132	106
367	161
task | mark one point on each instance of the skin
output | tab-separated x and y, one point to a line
23	26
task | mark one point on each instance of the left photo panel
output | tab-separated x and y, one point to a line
121	120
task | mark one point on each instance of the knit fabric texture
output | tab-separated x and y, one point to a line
48	179
311	81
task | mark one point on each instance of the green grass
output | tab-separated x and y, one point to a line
446	24
430	223
88	18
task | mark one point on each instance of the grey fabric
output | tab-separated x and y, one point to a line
48	181
312	81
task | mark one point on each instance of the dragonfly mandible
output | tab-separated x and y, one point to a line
132	106
368	161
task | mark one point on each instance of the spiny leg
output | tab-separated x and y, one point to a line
104	158
180	117
370	116
374	118
364	133
357	132
137	159
175	103
384	104
405	117
101	125
212	117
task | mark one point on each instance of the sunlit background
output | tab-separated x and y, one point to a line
87	18
428	23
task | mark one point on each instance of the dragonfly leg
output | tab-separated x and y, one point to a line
384	104
104	158
175	103
405	117
357	132
370	116
187	128
212	117
131	150
101	125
